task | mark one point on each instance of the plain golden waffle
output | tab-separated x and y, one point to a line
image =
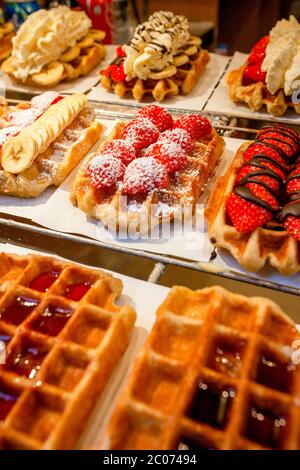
215	373
257	95
59	145
144	212
64	335
76	61
6	35
255	249
182	82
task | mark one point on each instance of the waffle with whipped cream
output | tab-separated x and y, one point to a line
64	335
54	45
270	77
145	175
42	141
219	371
161	60
6	35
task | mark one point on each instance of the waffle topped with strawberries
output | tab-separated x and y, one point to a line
42	141
64	335
148	171
254	211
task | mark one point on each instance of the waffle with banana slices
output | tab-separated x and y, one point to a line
42	142
162	60
218	371
64	335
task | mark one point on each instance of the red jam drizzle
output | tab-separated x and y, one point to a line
27	362
52	320
265	427
44	281
77	291
7	401
18	310
211	406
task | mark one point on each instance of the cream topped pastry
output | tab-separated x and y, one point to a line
44	36
156	43
282	60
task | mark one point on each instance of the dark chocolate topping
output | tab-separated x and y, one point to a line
276	140
293	208
295	196
251	179
280	130
273	147
246	194
293	177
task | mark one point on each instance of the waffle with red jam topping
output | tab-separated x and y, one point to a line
254	211
148	171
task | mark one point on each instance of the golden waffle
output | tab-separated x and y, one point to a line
6	35
182	82
60	351
65	144
257	95
144	212
76	61
252	250
215	373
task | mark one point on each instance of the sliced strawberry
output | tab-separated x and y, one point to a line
180	137
264	195
158	115
197	126
258	148
141	132
253	73
169	154
293	181
121	149
258	51
283	137
117	72
282	130
246	216
290	215
250	170
105	171
279	144
144	175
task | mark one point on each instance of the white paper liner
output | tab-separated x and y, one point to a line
220	103
194	101
145	298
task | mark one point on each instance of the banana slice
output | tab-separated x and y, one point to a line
97	34
165	73
51	75
180	59
70	54
88	41
19	152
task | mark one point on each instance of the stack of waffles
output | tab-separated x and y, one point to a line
218	371
254	211
42	141
161	60
270	76
150	171
6	35
64	335
54	46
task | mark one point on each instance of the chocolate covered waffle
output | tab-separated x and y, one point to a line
254	211
53	46
218	371
42	141
161	60
64	335
6	35
270	76
150	170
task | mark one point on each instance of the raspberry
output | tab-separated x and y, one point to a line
105	171
169	154
158	115
117	72
144	175
179	136
141	132
197	126
121	149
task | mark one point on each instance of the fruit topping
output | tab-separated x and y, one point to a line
105	171
197	126
158	115
259	148
258	51
290	217
121	149
141	132
253	73
179	136
169	154
144	175
45	100
8	132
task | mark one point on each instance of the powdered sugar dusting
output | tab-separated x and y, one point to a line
121	149
144	175
104	171
24	117
180	137
168	153
43	101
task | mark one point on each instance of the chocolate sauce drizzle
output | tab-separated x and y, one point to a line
292	208
284	131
